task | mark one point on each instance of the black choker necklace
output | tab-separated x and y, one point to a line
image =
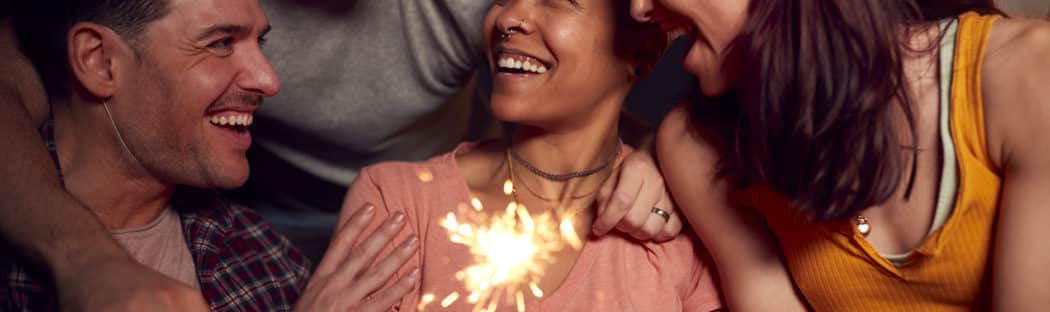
562	177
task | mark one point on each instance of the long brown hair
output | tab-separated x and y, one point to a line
811	113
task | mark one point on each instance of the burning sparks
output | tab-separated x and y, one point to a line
423	302
510	252
536	291
449	300
508	187
425	175
520	301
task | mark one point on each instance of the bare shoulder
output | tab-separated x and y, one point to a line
679	141
1016	85
1015	42
681	149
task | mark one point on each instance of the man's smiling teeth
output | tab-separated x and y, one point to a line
232	120
529	66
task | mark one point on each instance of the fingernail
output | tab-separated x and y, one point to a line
412	276
396	221
369	210
412	243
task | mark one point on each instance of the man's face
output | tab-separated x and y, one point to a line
185	104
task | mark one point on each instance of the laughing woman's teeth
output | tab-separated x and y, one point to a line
523	65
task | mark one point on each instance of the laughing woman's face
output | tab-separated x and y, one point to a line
712	25
554	61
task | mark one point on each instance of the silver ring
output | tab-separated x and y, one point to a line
662	213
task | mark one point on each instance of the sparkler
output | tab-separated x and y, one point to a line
510	250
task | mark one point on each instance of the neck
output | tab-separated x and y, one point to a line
562	152
557	153
578	143
100	173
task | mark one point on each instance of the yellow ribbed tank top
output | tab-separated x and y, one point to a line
837	270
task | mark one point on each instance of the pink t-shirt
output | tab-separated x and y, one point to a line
612	273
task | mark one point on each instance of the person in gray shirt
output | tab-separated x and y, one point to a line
363	82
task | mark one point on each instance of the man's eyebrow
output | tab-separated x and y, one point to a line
231	29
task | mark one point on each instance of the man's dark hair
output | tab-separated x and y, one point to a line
42	27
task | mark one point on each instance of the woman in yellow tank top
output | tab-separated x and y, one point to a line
864	155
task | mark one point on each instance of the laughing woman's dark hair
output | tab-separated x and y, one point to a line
817	127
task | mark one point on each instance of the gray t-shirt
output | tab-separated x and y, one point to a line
364	81
1029	8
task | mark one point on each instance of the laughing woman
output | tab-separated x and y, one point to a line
562	69
875	155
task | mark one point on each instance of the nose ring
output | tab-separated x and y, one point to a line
510	32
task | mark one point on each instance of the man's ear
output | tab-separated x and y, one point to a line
93	53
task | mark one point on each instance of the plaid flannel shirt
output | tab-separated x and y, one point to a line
242	264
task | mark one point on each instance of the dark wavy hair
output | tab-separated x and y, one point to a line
643	43
810	115
41	27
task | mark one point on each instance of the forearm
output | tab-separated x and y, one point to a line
755	284
1020	276
49	228
751	271
753	276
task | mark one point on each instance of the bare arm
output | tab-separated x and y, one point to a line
752	274
50	228
48	237
1017	105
